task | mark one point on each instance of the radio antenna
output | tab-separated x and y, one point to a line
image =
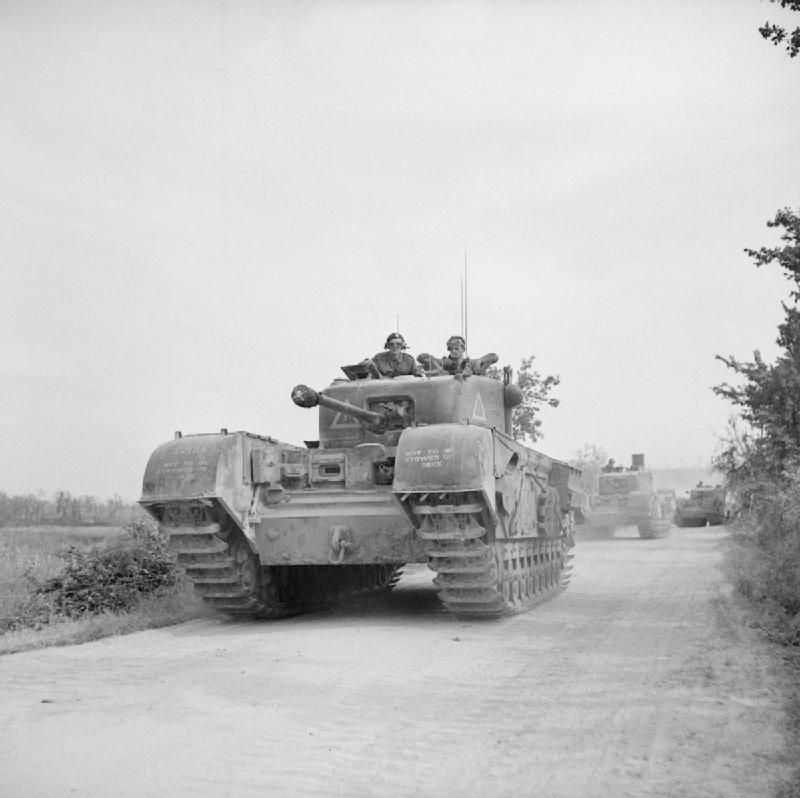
465	303
462	305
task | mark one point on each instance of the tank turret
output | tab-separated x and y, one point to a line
364	410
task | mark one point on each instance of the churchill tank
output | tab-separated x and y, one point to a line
414	469
626	497
704	504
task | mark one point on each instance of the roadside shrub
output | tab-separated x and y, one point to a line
764	559
33	611
113	578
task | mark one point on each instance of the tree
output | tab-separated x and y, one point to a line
740	459
787	257
90	509
75	518
777	34
113	506
62	500
525	421
589	459
768	400
34	509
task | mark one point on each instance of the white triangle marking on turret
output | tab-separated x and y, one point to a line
479	411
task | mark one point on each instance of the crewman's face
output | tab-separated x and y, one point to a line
395	346
456	349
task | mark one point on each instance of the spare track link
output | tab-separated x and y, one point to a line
480	579
228	575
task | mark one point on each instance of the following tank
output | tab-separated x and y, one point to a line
702	504
626	497
406	470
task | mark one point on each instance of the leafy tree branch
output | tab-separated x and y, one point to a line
778	34
536	393
768	396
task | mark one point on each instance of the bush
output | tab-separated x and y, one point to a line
115	578
764	560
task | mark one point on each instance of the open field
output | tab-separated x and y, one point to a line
37	550
30	555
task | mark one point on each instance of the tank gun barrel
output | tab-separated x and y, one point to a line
303	396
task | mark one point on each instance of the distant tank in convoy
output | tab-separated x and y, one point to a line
704	504
626	497
414	469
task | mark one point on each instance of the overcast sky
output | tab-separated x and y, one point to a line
205	203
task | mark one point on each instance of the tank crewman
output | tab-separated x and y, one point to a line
456	360
610	466
393	361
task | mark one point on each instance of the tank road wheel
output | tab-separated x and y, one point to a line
245	588
486	579
246	565
384	576
340	581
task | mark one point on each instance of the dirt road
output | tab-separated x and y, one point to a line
632	682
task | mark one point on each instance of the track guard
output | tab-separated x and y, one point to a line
445	458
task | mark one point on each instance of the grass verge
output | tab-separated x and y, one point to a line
152	613
764	578
63	587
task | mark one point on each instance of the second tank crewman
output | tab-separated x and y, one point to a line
456	361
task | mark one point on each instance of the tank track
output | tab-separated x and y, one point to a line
488	579
654	528
227	575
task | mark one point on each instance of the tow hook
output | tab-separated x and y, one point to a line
341	541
